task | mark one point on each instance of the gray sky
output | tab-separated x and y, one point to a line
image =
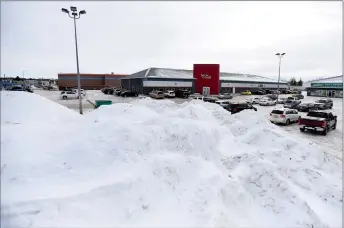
126	37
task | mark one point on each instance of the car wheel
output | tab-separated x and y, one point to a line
302	129
287	122
64	98
325	131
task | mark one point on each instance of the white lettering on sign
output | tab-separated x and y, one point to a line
205	76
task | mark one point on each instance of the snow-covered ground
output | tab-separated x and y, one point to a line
152	163
333	141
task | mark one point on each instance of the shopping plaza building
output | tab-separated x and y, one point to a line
204	78
327	87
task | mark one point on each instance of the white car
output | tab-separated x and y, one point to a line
170	94
223	103
253	100
69	95
267	102
284	116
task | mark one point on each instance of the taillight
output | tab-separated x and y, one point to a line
323	123
234	109
282	116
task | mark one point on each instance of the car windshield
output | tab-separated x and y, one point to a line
277	112
289	102
321	101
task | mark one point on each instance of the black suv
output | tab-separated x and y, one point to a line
129	94
328	103
306	107
238	107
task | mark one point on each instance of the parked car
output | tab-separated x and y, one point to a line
259	92
246	92
17	88
28	89
170	94
223	103
182	93
291	103
156	94
298	96
225	96
239	106
281	100
293	98
117	91
267	101
318	121
83	93
210	99
128	93
253	100
284	116
197	97
106	90
306	107
272	96
69	95
327	103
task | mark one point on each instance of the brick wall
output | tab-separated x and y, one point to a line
89	81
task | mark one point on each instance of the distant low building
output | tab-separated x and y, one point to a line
89	81
327	87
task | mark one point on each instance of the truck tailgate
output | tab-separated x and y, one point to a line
312	121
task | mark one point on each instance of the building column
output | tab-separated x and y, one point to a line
233	89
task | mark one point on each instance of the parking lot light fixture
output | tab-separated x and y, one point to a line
279	71
76	15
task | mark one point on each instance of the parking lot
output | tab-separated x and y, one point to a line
333	141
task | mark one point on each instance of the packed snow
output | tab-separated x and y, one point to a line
152	163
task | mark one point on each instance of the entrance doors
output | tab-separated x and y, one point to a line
331	93
205	91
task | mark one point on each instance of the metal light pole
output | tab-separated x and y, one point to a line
76	15
23	73
279	71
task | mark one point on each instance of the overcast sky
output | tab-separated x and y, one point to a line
126	37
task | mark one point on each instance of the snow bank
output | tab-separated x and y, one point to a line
155	163
28	108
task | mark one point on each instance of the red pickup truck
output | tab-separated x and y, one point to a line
318	121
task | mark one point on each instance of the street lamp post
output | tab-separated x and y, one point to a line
23	73
76	15
280	55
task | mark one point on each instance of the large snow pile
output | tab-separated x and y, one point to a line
155	163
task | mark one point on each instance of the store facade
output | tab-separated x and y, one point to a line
330	87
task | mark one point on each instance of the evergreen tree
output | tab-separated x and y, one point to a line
300	82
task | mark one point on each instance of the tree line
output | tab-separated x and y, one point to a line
294	82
